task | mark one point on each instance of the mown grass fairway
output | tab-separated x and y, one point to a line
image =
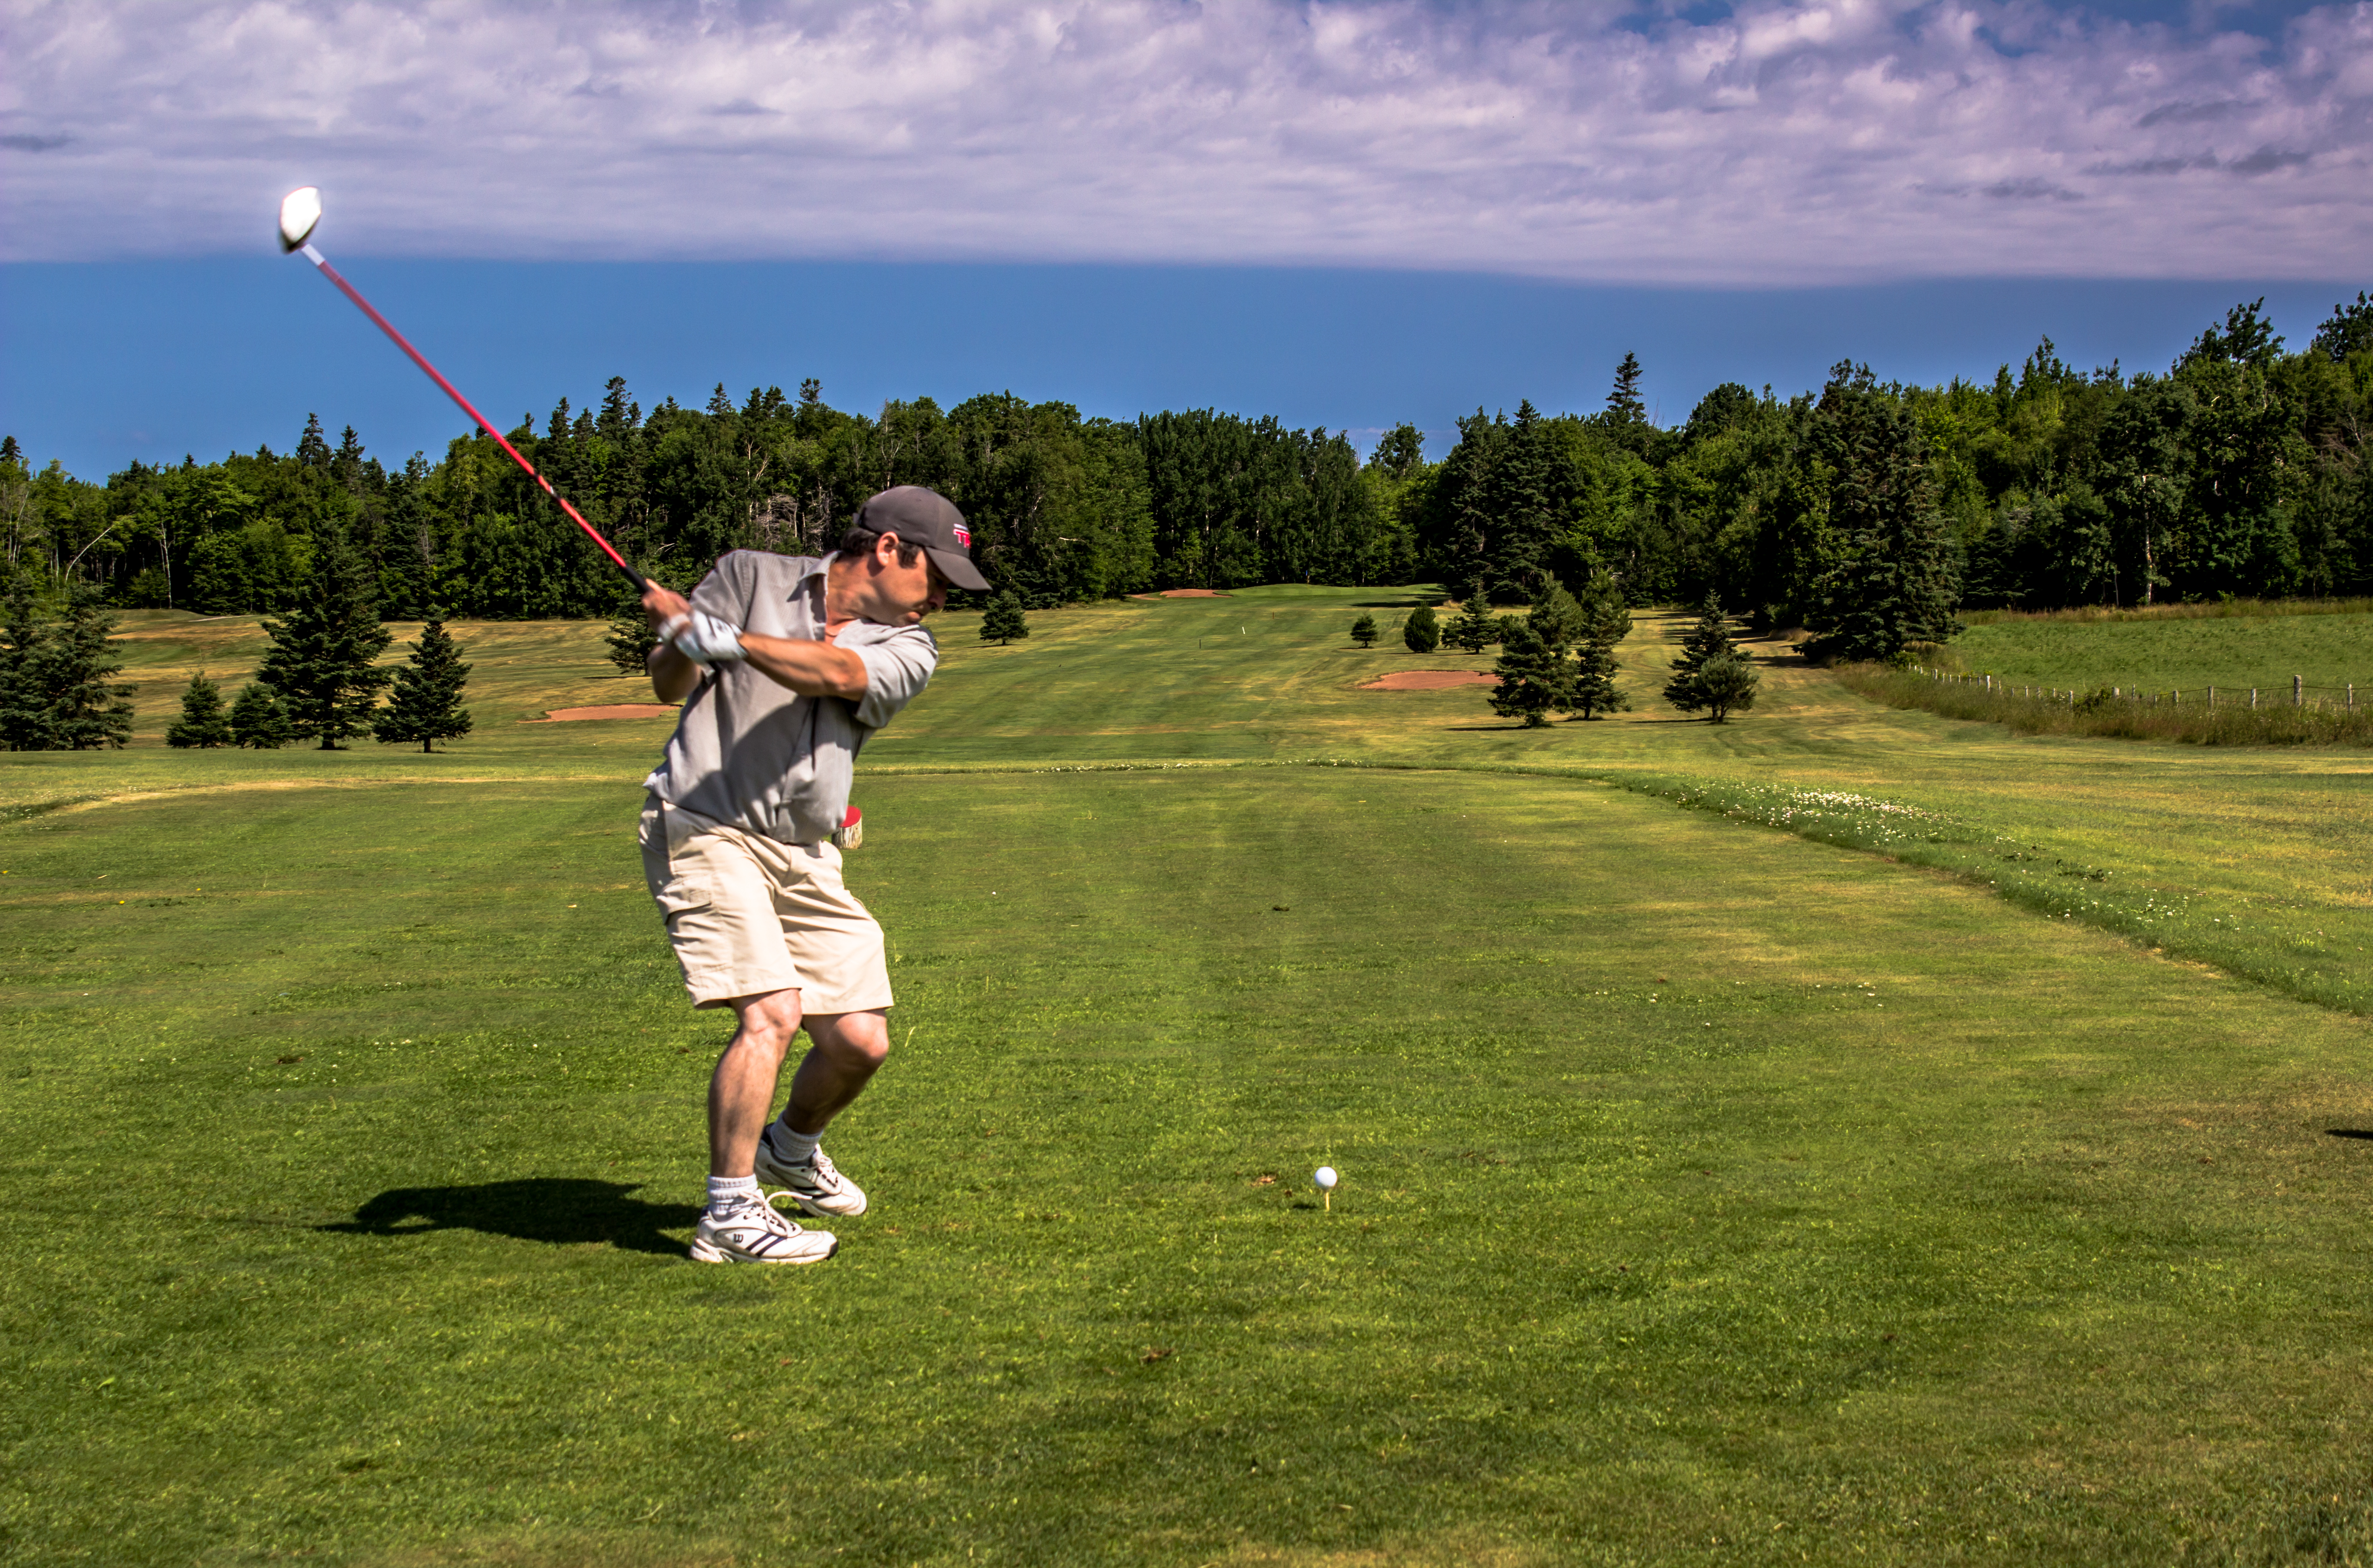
1711	1195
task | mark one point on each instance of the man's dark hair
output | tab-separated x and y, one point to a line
859	542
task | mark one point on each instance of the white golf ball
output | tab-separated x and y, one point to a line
1326	1177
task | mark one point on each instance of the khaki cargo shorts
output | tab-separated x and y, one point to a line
747	914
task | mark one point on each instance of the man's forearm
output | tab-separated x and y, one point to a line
672	675
811	669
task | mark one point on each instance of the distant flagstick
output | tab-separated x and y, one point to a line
299	210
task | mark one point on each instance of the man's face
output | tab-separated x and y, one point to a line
902	596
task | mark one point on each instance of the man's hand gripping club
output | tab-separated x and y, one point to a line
693	641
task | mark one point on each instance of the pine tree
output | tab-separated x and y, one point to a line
426	706
1363	630
1003	620
1556	618
1475	629
257	721
24	709
1605	621
204	721
1890	578
1725	683
631	637
1535	678
313	448
87	709
322	663
1709	640
1623	404
1422	631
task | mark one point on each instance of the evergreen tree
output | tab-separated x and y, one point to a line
1623	404
426	706
24	708
204	721
322	662
1725	683
1003	618
1556	618
257	721
1605	621
1423	630
1363	630
1709	640
631	637
313	448
1475	629
1890	578
1535	678
87	709
2348	330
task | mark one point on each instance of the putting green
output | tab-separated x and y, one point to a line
1709	1195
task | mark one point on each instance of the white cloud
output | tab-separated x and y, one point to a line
1781	143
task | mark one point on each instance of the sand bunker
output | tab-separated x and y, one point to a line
612	711
1430	680
1186	593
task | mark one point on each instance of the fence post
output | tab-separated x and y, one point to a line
2175	698
2296	690
2352	696
2253	697
2212	696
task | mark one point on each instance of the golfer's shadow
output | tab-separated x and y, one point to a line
561	1210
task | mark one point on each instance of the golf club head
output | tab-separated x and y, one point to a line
299	210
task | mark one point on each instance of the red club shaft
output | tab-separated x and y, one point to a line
331	272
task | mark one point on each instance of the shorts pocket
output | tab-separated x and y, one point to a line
673	867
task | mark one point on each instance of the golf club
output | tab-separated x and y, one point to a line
299	210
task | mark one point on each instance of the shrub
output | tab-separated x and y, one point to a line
1363	630
1421	631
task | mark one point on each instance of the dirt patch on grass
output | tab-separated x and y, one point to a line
1186	593
1430	680
607	710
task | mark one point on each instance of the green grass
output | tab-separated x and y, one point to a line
1711	1194
2232	654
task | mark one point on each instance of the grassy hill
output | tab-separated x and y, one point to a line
1711	1194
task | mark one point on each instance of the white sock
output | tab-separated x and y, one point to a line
724	1191
793	1148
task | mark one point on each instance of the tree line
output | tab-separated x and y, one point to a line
1864	512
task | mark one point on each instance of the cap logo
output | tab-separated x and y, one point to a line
963	536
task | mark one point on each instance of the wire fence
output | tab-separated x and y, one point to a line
2301	693
2300	714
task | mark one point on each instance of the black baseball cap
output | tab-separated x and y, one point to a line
929	518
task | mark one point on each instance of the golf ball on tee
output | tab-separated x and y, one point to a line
1326	1177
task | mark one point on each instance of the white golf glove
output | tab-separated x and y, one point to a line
703	638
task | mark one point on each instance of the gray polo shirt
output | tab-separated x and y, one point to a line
758	756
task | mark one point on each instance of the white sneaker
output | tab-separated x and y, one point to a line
754	1231
818	1187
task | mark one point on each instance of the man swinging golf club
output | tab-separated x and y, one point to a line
790	662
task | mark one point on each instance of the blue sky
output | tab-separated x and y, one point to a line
111	361
1344	211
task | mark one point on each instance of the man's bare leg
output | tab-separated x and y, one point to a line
849	1050
742	1092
